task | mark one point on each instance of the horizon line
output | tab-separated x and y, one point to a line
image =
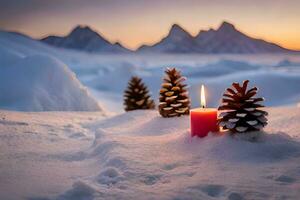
145	43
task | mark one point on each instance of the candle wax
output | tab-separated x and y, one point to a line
203	121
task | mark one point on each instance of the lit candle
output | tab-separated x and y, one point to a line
203	120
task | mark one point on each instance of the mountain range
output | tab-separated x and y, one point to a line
85	39
225	39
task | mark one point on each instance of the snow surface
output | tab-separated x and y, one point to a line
106	76
139	155
40	83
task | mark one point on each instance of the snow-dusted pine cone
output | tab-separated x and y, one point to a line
241	111
174	99
137	96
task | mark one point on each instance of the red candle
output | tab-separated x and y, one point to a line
203	120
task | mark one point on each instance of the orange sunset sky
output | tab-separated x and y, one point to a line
136	22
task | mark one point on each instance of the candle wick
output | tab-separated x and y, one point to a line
203	106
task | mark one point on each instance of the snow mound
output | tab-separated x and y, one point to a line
143	156
42	83
8	56
140	155
267	147
278	88
81	191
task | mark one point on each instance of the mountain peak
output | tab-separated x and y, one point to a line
82	29
176	28
177	31
82	37
226	26
225	39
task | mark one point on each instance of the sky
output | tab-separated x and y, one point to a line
137	22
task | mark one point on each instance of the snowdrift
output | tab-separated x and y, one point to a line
139	155
279	85
278	88
106	76
23	45
42	83
149	157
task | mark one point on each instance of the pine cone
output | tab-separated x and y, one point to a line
241	109
136	96
174	99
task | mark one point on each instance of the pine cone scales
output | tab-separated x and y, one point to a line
136	96
174	100
241	109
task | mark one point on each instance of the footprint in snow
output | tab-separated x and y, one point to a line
109	176
14	123
285	179
151	179
116	162
235	196
77	135
68	126
170	166
212	190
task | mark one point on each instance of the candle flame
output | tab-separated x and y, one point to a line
202	97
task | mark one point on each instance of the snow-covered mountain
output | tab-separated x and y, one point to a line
84	38
226	39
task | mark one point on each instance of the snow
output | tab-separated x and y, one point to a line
42	83
31	79
139	155
278	88
109	75
106	76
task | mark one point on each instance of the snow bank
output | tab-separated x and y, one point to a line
277	84
23	45
278	88
277	75
41	83
143	156
139	155
8	56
